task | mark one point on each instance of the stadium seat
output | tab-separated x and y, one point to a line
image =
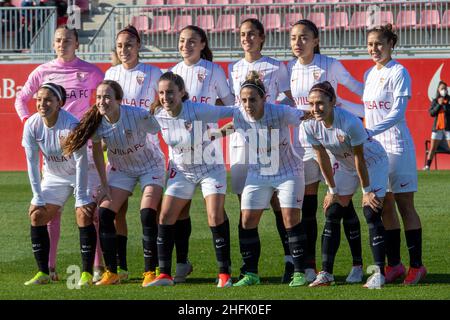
180	22
271	22
262	4
290	19
159	3
445	23
441	149
305	3
218	3
319	19
206	22
406	19
177	3
140	23
338	20
240	6
198	5
248	16
287	2
226	22
359	20
429	19
159	24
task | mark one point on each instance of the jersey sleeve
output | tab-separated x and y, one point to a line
149	122
291	115
26	93
397	113
402	83
357	133
230	78
81	160
306	126
210	113
34	176
221	84
283	78
28	139
344	77
98	76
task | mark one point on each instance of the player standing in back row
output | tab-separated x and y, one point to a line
386	93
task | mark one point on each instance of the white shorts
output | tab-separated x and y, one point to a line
238	166
258	192
439	135
125	181
312	171
180	187
402	172
56	189
347	181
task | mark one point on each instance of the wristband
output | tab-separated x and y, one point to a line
366	189
332	190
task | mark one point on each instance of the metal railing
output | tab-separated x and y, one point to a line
343	26
27	29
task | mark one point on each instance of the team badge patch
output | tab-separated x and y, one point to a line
140	79
201	77
81	76
128	133
382	81
341	138
316	75
188	125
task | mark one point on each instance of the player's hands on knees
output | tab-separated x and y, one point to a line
33	208
370	199
103	193
87	210
329	200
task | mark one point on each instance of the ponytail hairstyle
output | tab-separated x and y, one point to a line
312	27
66	27
326	88
253	81
131	30
206	53
178	81
58	91
258	25
89	123
386	32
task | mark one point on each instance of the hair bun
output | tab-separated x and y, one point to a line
253	75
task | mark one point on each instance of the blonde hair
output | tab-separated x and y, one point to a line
253	80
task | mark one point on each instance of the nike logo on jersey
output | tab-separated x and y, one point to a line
402	185
218	186
376	190
164	128
155	178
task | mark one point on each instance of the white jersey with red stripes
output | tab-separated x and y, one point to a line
259	134
382	87
346	132
205	81
303	77
128	150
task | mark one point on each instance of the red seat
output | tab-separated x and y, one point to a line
262	4
198	5
159	3
206	22
318	18
218	2
248	16
429	19
359	20
177	3
275	6
140	23
160	24
180	22
225	22
338	20
271	22
240	5
290	19
406	18
445	23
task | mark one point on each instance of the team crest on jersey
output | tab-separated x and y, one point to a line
201	77
341	138
81	76
316	74
128	133
382	81
188	125
140	79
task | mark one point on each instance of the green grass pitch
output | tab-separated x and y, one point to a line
17	263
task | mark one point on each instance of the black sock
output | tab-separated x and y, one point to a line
282	232
108	240
243	268
222	247
331	236
414	243
309	222
40	243
352	229
122	251
88	242
297	239
165	243
250	249
183	230
429	162
376	236
149	235
393	247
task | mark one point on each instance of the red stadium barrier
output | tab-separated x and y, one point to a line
424	72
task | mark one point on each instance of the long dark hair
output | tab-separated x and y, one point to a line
179	82
206	53
258	25
90	122
312	27
438	94
386	33
326	88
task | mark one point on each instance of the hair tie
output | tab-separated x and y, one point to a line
253	85
54	88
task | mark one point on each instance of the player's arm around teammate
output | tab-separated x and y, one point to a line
63	175
343	135
387	91
265	127
124	130
184	129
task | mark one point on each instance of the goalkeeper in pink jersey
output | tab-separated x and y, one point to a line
79	78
